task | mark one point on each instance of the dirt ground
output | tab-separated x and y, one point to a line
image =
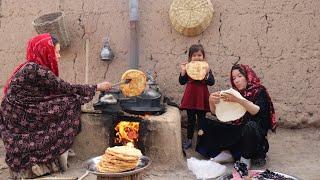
295	152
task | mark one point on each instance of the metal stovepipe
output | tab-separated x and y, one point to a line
134	44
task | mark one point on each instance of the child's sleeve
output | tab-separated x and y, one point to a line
183	79
210	79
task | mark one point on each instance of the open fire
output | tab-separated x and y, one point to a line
127	132
126	129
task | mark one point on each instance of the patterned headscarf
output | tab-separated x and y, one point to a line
40	50
253	88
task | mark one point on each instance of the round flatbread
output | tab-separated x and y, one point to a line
123	157
197	70
125	151
137	84
229	111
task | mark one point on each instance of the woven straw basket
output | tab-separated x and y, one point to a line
54	24
191	17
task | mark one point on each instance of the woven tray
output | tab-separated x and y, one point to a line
191	17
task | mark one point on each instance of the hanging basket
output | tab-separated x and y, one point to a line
54	24
191	17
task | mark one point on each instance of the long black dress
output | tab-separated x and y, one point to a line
247	139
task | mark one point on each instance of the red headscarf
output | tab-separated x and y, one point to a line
251	92
40	50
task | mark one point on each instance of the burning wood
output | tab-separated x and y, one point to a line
127	132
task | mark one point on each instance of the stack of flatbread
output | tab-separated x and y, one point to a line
119	159
197	70
137	84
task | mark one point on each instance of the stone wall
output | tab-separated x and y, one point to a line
280	39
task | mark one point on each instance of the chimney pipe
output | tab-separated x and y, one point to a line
134	45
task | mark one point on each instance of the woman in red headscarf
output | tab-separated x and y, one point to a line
40	113
245	138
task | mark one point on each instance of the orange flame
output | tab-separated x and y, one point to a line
127	132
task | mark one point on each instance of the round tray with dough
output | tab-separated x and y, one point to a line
136	85
197	70
229	111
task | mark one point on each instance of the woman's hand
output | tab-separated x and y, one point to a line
248	105
104	86
183	67
228	97
214	97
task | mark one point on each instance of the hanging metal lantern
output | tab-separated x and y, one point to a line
106	52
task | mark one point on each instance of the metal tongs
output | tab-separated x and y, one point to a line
122	82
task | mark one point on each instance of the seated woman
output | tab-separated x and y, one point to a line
40	113
245	138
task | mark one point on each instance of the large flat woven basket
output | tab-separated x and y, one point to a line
54	24
191	17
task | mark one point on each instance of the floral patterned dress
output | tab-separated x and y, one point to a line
40	116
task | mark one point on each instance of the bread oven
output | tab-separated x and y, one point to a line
127	123
125	117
